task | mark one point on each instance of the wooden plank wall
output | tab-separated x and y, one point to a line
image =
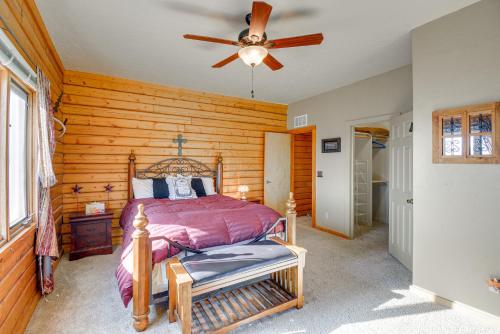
18	284
303	173
107	117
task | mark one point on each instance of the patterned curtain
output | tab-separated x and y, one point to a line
46	240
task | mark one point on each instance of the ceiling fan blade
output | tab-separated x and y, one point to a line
260	15
291	42
272	62
210	39
226	61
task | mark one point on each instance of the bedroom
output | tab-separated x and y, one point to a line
123	78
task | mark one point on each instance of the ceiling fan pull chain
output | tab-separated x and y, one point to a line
252	82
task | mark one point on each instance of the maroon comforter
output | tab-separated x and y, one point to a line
197	223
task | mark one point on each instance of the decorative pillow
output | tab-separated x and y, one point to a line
160	188
143	188
208	184
197	185
181	187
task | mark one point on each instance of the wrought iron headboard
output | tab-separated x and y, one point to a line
175	166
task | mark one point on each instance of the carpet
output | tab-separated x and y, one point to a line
350	287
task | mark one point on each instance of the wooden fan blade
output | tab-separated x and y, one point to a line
291	42
272	62
226	61
210	39
260	15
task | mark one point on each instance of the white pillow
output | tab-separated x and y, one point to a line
181	188
208	184
143	188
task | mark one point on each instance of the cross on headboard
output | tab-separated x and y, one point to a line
179	140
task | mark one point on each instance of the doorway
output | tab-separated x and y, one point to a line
303	171
371	173
381	192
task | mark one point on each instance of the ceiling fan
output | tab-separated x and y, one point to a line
253	42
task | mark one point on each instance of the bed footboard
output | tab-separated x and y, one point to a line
143	261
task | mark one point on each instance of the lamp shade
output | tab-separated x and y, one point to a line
253	55
243	188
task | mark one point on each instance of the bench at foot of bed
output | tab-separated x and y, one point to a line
257	280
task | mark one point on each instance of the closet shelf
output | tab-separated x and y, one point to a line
379	181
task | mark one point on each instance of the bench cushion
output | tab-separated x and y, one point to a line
216	264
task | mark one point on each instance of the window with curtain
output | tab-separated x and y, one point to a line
17	180
18	138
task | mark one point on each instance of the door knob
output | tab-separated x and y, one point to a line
267	181
409	201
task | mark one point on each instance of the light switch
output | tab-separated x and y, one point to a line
320	173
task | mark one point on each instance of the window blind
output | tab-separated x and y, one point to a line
14	61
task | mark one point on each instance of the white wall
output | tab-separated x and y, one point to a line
388	93
456	62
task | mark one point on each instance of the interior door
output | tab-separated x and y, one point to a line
401	189
277	170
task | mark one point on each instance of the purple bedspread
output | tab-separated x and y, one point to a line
197	223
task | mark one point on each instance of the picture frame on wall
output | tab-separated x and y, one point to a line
331	145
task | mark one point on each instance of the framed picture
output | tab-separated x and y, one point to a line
330	145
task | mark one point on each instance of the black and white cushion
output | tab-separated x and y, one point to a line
198	187
150	188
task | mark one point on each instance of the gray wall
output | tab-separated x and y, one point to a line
456	62
389	93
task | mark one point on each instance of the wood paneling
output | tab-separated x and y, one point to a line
302	178
18	281
107	117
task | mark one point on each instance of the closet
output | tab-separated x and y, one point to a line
371	170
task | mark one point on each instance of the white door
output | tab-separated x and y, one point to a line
401	189
277	170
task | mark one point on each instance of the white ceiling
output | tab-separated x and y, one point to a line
142	40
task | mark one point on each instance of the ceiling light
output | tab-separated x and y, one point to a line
253	55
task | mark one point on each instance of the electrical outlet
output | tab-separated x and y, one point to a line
326	214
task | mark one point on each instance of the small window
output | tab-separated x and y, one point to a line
18	136
452	136
466	135
481	134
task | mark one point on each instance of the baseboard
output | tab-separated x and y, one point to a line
429	295
328	230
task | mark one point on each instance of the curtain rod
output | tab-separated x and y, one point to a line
9	30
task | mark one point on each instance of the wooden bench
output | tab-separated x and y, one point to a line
235	285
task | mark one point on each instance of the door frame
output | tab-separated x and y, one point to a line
307	129
350	125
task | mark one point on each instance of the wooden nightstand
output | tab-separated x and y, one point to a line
90	234
254	200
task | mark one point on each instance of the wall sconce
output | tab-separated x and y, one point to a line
243	189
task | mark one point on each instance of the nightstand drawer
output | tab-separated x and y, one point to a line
90	229
90	234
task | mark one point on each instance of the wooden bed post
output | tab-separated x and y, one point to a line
219	179
142	270
291	217
131	173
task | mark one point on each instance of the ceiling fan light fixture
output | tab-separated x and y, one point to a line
253	55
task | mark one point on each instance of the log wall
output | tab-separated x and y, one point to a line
302	156
107	117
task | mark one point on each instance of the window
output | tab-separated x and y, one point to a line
17	156
16	150
466	135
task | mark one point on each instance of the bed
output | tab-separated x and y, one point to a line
171	228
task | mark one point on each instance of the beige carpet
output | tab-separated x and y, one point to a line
350	287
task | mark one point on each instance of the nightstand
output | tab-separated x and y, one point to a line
254	200
90	234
